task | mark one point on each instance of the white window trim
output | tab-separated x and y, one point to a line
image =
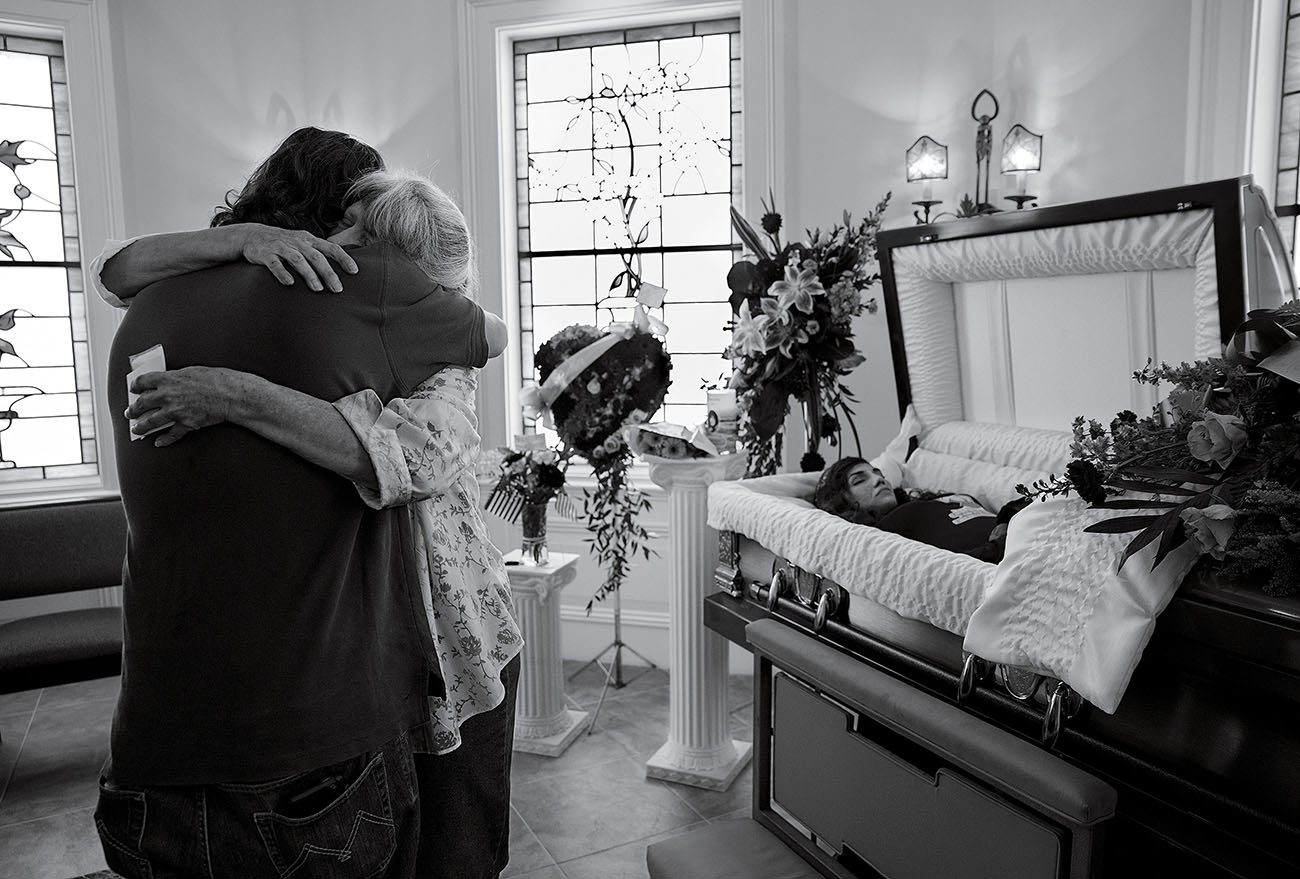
1233	91
82	25
486	28
1268	37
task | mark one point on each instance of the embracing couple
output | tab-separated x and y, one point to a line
320	654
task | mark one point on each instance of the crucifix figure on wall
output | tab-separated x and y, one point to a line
983	150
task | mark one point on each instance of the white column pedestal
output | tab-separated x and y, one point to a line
699	750
543	723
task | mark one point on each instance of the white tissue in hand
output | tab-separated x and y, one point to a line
148	360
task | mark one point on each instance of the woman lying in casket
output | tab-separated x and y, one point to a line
854	490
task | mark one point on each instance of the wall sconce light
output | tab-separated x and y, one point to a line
927	160
1022	154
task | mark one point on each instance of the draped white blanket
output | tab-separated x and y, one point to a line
1059	603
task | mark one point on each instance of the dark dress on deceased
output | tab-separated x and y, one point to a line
928	520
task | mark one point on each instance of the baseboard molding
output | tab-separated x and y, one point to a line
646	631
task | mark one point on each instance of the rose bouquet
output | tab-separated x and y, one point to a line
596	387
792	335
1218	462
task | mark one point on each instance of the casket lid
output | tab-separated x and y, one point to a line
1222	231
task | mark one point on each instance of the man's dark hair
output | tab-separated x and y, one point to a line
303	184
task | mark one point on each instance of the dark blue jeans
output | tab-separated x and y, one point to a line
465	795
353	820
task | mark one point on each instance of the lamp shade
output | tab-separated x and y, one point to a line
1022	150
927	159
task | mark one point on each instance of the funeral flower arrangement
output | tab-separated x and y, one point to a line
527	476
792	336
1218	462
596	387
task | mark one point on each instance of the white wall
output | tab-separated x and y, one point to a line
1105	83
206	89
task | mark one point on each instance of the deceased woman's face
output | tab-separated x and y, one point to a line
350	229
870	490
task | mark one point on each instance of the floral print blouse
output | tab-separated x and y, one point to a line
423	448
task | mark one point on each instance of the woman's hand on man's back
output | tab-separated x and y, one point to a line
290	252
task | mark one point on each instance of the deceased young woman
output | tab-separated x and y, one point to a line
856	491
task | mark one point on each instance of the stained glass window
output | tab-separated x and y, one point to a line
46	423
627	164
1288	146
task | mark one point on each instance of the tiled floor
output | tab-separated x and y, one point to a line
587	814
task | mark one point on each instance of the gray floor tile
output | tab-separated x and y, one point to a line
51	848
585	686
13	731
19	703
639	725
603	806
544	873
83	691
527	854
58	770
584	751
621	862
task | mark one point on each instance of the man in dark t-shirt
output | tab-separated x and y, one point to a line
275	643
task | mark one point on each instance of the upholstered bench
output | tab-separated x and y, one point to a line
739	849
52	549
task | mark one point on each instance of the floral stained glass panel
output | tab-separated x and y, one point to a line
625	157
1286	199
46	423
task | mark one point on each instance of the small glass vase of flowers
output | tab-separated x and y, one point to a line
1218	462
597	386
532	475
792	334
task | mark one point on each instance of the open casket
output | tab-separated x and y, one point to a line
1003	329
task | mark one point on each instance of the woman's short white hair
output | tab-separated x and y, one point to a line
410	212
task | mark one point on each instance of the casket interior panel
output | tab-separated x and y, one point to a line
1003	329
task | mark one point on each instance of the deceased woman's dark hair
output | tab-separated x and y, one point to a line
832	493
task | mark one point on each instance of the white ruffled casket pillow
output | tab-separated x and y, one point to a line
1060	605
892	461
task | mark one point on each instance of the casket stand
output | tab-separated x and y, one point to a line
1204	748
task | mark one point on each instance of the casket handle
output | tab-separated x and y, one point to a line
973	670
826	605
1062	704
774	591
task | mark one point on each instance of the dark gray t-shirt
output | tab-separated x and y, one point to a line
272	621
